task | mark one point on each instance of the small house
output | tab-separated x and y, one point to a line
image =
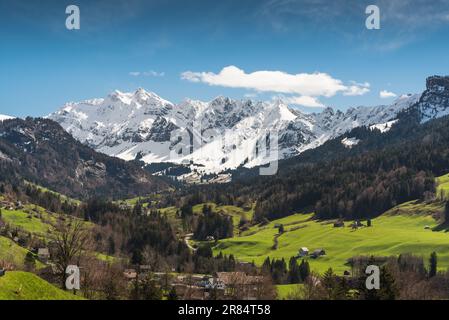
356	224
130	274
19	205
145	267
43	254
303	252
317	253
339	224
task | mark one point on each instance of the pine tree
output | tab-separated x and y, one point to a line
151	291
294	276
29	262
266	266
281	229
172	295
111	245
304	270
446	212
388	288
329	284
433	264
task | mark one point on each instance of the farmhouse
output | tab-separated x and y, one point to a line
130	274
190	292
339	224
317	253
303	252
144	268
356	224
233	282
43	254
212	283
19	205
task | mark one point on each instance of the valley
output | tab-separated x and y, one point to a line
368	186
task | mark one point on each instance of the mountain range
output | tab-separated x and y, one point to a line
212	136
209	137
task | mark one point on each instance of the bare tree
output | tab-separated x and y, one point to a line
69	241
264	288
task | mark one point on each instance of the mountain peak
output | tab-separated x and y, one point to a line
141	92
434	103
438	84
220	100
140	97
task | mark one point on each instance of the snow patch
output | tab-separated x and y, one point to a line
5	117
384	127
350	142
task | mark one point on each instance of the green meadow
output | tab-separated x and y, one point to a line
61	196
285	291
406	228
18	285
29	222
443	185
12	252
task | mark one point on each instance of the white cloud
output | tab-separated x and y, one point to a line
305	86
357	89
150	73
384	94
304	101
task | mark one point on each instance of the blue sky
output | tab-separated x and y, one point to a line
204	48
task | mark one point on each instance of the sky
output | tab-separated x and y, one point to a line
310	53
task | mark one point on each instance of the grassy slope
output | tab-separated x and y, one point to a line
38	224
443	185
27	222
284	290
17	285
11	252
397	231
62	197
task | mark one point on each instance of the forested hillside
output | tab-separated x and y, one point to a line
383	170
40	151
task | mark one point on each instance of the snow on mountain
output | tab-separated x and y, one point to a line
350	142
214	136
383	127
5	117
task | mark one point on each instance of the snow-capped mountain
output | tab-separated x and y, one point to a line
214	136
5	117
